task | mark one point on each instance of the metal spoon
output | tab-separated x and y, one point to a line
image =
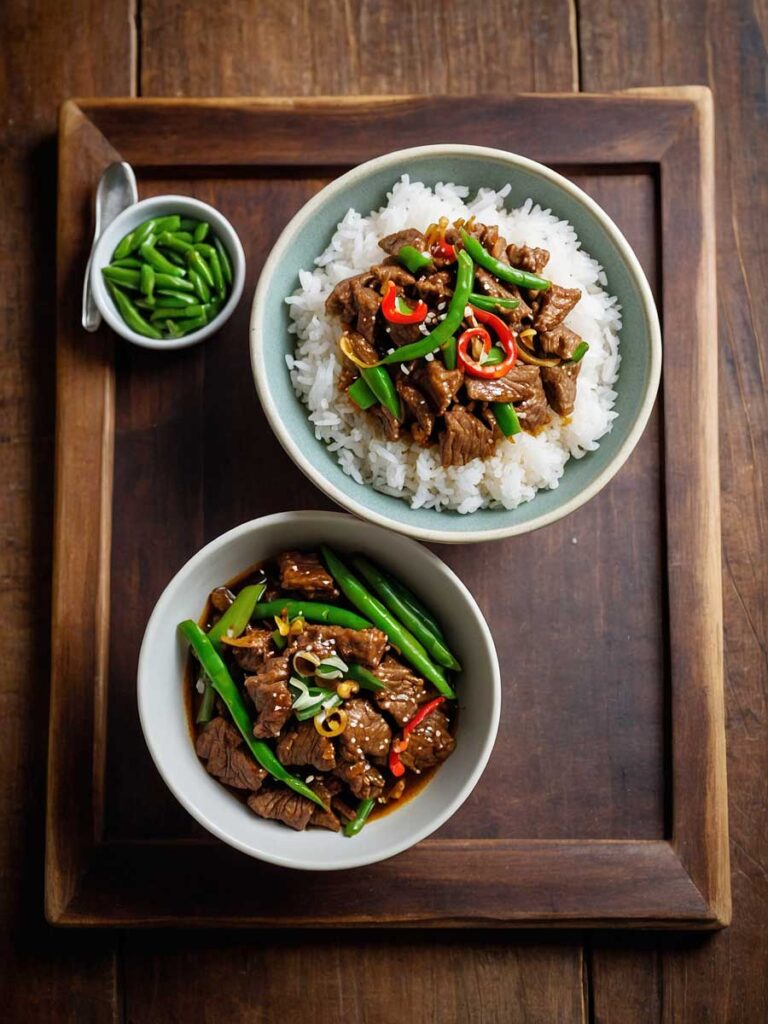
115	192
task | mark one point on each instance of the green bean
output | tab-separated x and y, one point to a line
201	231
204	249
147	280
381	384
178	312
199	285
216	271
132	316
198	264
168	297
364	809
226	263
177	260
503	271
365	678
169	241
233	622
491	304
188	326
145	303
579	352
375	578
170	223
173	281
413	259
189	223
505	415
156	259
142	234
409	598
223	683
185	236
361	394
312	611
409	646
125	278
173	329
124	247
127	261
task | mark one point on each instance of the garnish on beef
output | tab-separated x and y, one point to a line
271	697
365	781
465	438
302	744
363	646
560	386
303	571
393	243
251	658
429	743
436	287
221	746
489	285
405	690
367	731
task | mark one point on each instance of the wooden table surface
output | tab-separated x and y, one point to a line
297	47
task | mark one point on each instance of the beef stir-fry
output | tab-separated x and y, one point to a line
323	691
456	339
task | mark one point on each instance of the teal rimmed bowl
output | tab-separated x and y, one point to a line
365	188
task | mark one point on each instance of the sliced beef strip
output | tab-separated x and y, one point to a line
397	335
363	646
365	781
302	744
560	386
560	341
367	302
439	385
435	288
270	695
367	732
533	411
392	244
465	438
489	285
383	273
429	743
220	745
418	407
525	257
341	301
304	572
522	381
362	347
342	808
405	690
386	422
326	788
251	658
282	804
347	375
552	306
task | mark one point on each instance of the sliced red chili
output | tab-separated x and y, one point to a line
444	249
396	766
396	311
421	714
465	340
506	339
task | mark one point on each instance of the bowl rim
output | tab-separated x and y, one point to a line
436	535
316	518
229	237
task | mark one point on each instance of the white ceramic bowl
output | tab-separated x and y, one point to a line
164	717
130	218
365	188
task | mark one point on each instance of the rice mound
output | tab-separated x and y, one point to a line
519	467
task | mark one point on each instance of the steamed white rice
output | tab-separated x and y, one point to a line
519	467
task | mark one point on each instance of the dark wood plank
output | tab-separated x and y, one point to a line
724	979
43	976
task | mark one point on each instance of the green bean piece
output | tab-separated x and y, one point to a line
233	621
364	809
200	286
413	259
189	223
226	263
168	297
145	303
361	394
376	579
163	312
409	646
147	280
579	353
170	223
505	415
172	330
128	262
124	247
218	275
212	309
365	679
204	249
188	326
279	640
177	260
445	330
174	282
201	231
312	611
198	264
132	316
491	304
381	384
409	598
223	683
185	236
169	241
142	234
503	271
125	278
156	259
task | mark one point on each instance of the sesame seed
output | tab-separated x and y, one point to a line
310	778
441	305
429	356
200	686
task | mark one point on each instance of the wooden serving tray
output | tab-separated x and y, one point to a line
605	800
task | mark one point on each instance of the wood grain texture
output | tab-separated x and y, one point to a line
724	979
44	977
